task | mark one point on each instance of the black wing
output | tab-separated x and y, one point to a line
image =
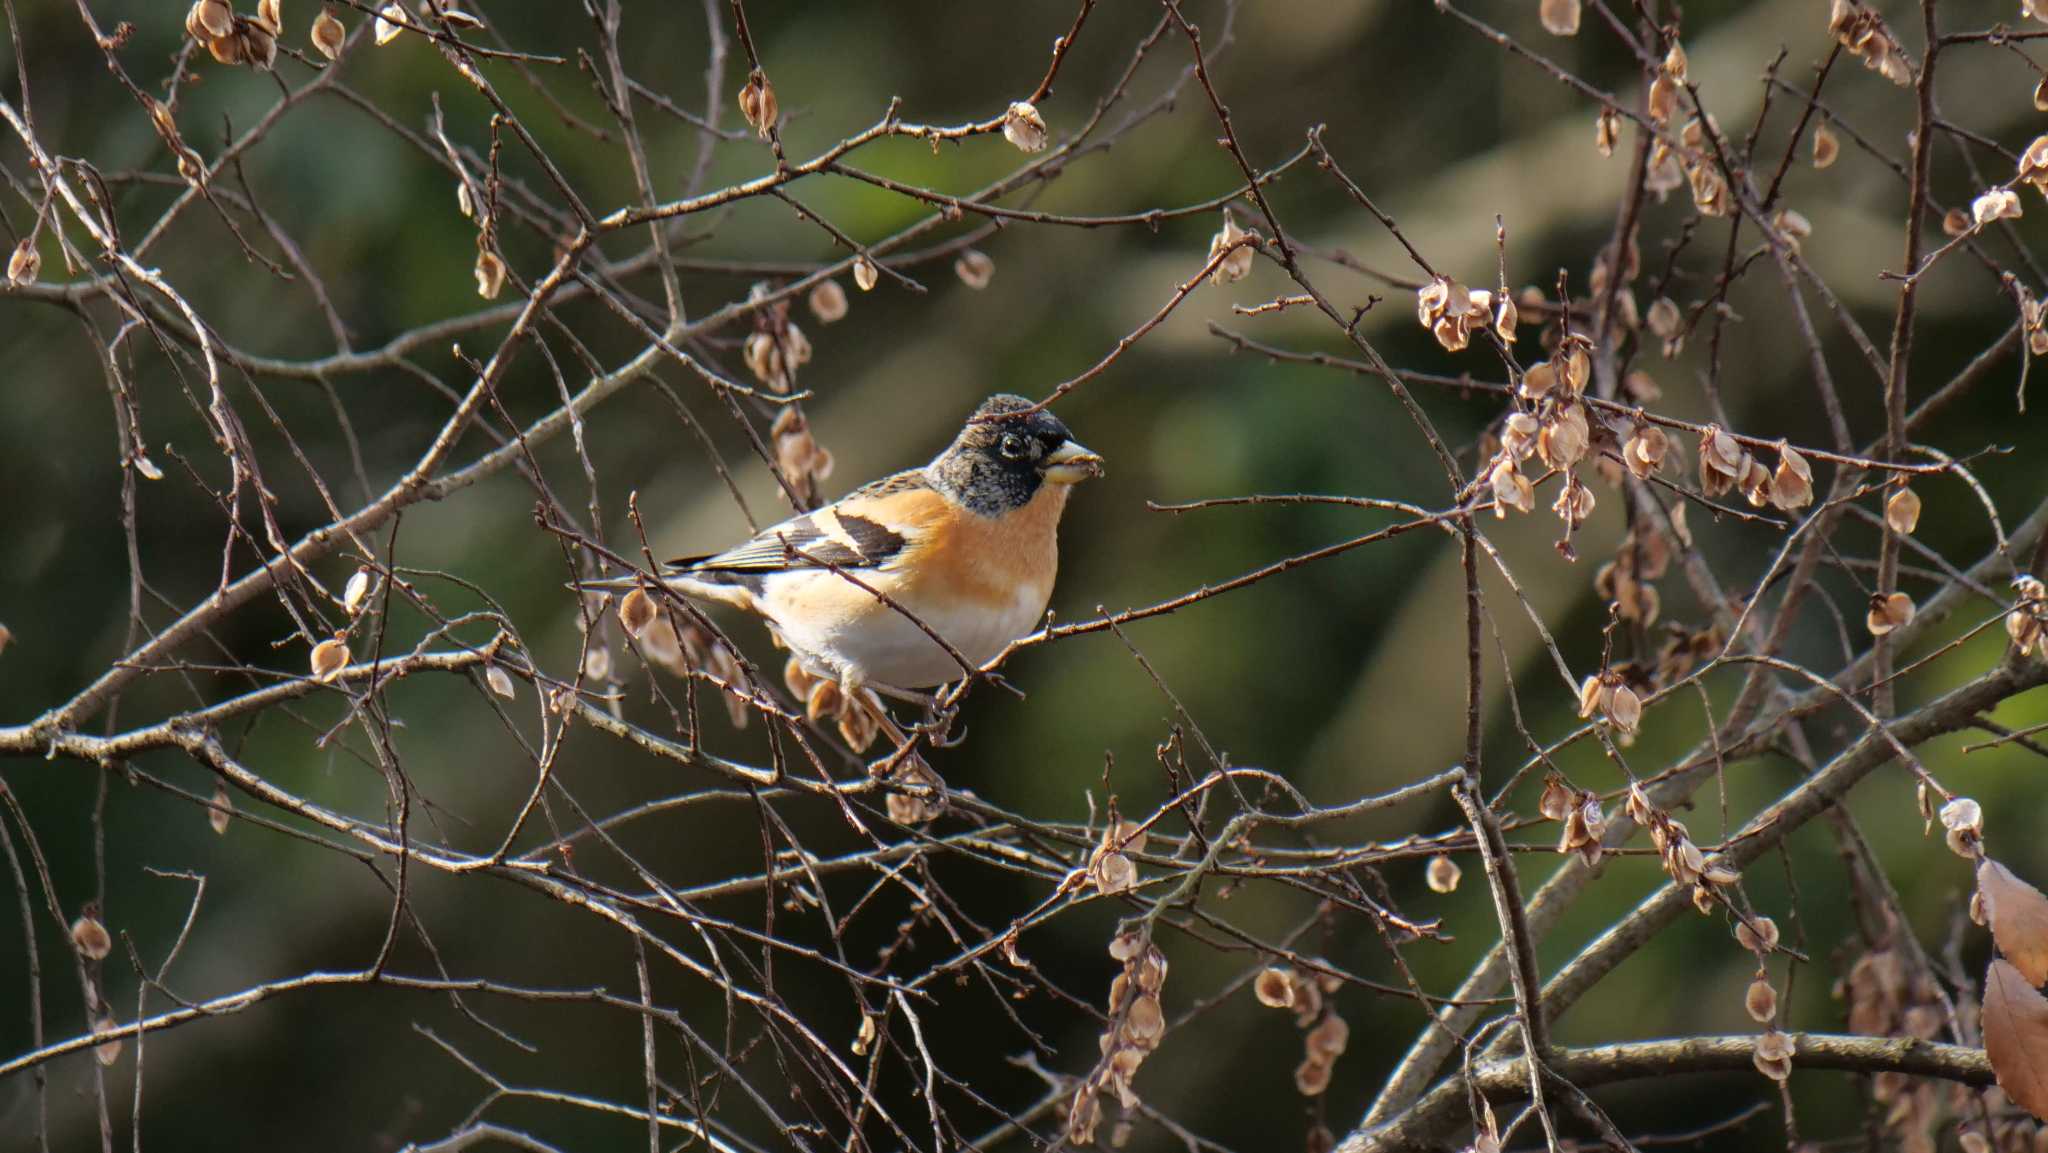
833	536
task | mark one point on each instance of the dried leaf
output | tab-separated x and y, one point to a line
2016	1037
2019	919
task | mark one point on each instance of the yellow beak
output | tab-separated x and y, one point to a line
1071	463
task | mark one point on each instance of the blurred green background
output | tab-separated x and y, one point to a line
1345	676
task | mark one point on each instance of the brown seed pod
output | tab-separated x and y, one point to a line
329	34
329	658
90	937
1024	127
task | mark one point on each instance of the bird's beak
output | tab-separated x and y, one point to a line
1071	463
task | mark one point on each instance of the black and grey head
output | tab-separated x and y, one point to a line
1007	450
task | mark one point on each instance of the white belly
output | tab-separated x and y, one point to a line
888	648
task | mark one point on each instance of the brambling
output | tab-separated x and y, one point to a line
966	545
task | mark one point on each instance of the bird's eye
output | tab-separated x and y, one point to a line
1013	446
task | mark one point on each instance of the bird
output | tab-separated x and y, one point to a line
966	547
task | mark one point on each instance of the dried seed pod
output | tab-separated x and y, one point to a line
259	45
1511	490
221	811
1312	1076
1024	127
1538	380
354	591
1625	709
2027	623
1274	987
1674	61
974	268
6	637
1645	450
90	937
2033	165
1559	17
1606	131
1574	502
1663	99
1963	815
109	1051
828	302
1996	204
1238	264
329	658
1902	511
24	263
1664	318
1578	366
637	613
909	809
490	274
1887	612
270	14
1956	222
1442	873
796	347
597	663
1565	437
329	35
1113	873
391	21
864	273
226	50
1757	934
1792	484
763	354
1793	226
1722	461
500	682
1774	1055
1825	146
210	20
1505	318
758	104
1761	1000
1329	1038
1518	435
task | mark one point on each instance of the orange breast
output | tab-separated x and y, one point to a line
990	558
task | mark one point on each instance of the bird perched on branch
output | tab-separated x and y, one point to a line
916	579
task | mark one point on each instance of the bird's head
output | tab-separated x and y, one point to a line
1008	449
